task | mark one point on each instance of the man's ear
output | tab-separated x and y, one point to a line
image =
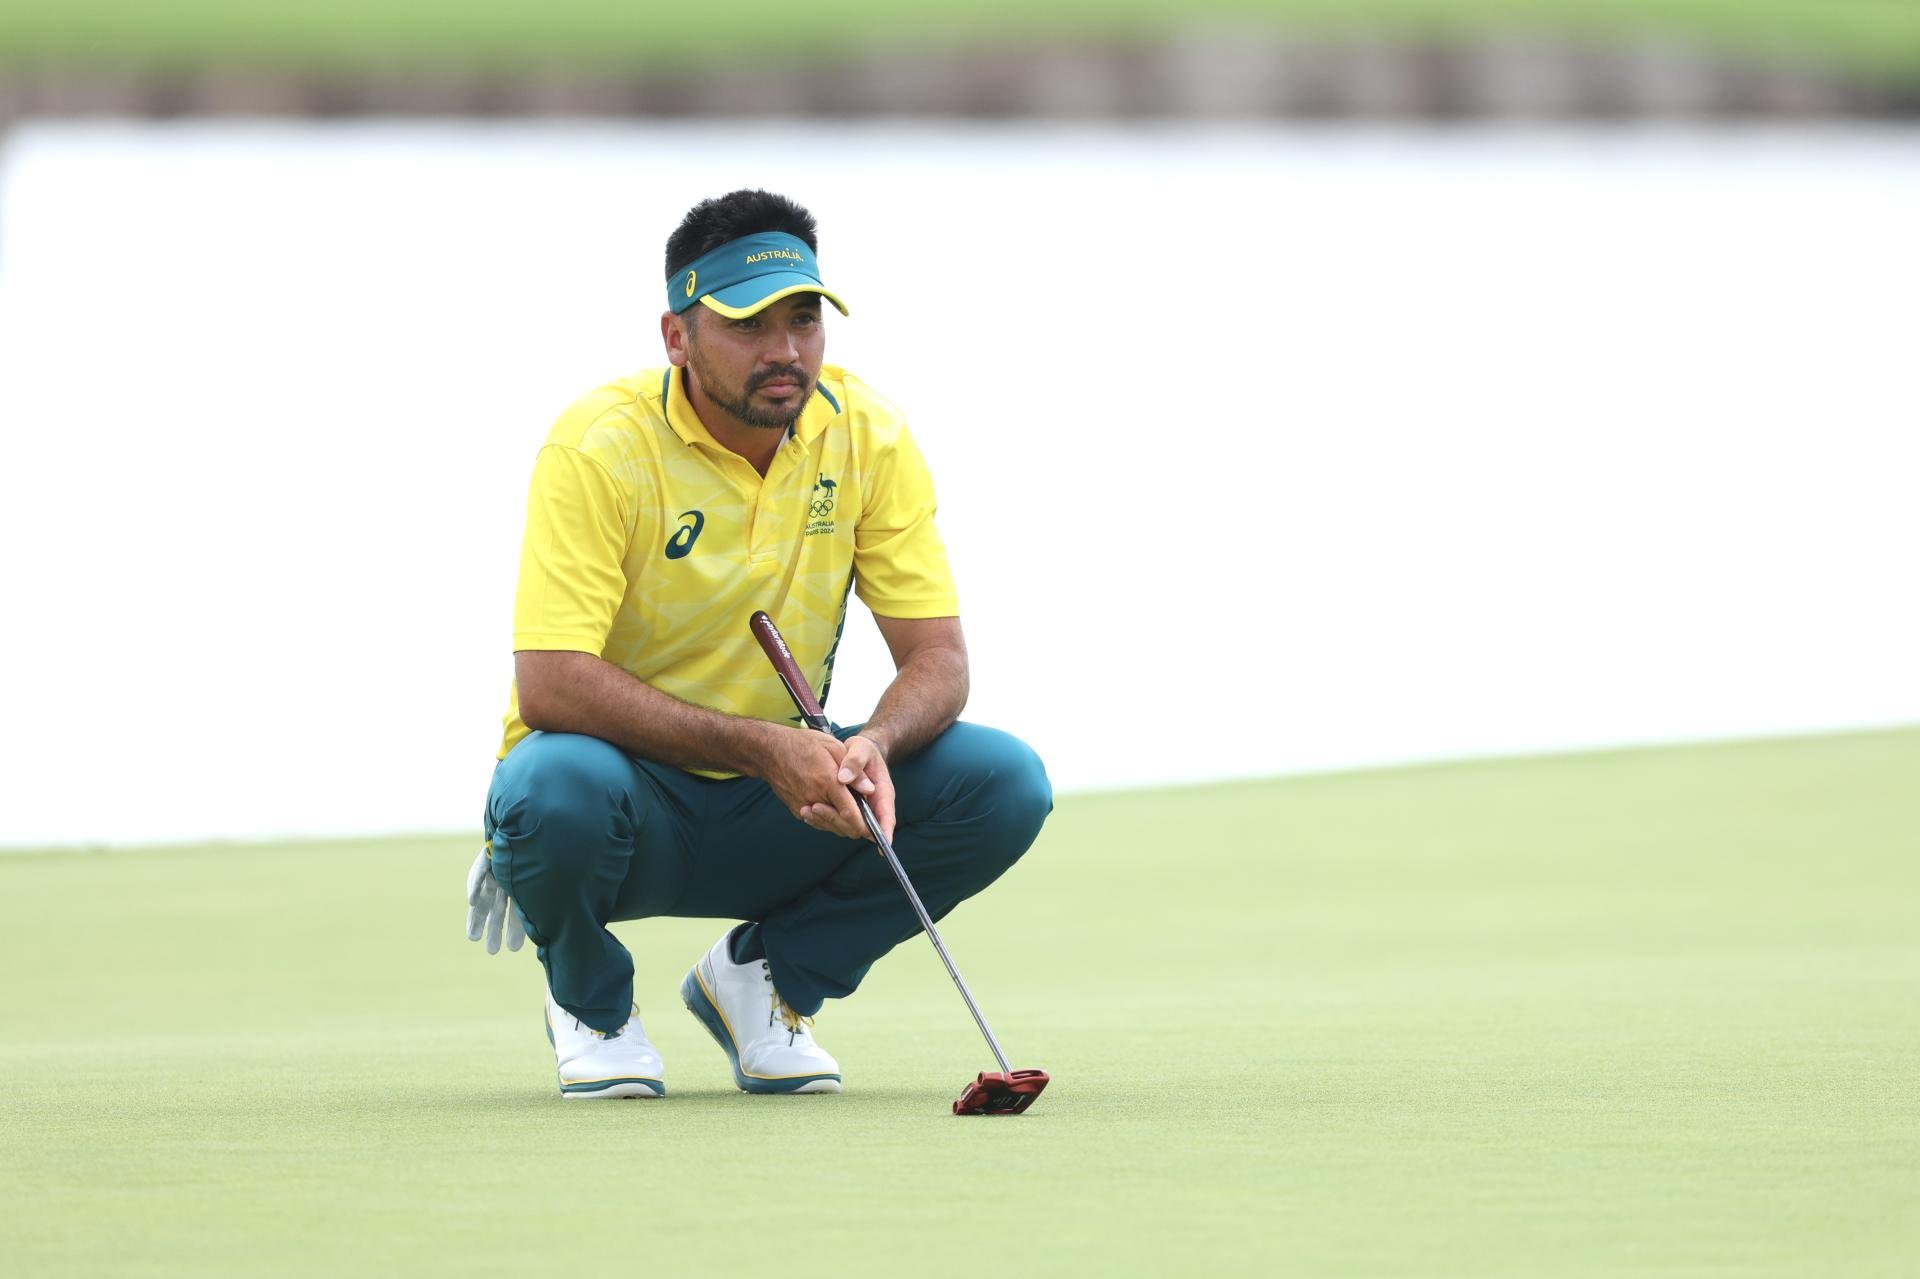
673	334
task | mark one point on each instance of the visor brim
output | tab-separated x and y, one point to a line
738	301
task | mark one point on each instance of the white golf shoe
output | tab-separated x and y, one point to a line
595	1064
772	1049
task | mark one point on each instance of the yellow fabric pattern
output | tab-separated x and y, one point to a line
649	545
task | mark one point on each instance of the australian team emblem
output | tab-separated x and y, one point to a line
820	509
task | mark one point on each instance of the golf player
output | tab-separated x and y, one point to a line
652	761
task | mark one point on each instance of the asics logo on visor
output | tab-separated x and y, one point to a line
691	277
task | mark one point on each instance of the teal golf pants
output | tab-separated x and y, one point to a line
583	834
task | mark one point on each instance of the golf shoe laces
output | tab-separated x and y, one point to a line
779	1012
604	1034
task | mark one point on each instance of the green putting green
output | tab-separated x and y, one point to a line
1639	1012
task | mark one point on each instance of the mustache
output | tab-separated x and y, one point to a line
792	373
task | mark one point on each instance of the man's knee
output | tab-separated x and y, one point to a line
1024	794
1012	794
566	789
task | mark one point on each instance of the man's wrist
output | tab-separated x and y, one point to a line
756	746
882	740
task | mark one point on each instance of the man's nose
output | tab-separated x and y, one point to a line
781	349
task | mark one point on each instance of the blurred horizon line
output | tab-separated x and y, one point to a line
1207	74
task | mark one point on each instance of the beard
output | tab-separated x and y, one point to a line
739	405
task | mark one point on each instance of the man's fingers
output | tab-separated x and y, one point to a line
862	758
828	817
881	802
516	931
863	771
848	813
875	784
880	797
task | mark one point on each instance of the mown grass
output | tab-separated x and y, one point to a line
1644	1012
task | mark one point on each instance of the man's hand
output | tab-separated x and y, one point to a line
864	768
489	909
811	771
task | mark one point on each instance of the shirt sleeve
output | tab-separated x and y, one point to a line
899	562
572	573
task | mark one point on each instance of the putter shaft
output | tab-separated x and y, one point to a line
814	716
926	922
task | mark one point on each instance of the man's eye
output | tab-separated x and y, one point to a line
749	323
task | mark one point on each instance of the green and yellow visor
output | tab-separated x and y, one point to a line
742	276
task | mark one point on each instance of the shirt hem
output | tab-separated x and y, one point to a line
556	641
913	610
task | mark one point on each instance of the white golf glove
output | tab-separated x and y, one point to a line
489	909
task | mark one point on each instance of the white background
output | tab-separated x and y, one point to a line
1259	451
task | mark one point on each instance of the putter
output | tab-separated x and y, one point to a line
1003	1092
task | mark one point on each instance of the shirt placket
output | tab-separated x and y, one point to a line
767	526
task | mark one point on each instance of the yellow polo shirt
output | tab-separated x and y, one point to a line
649	544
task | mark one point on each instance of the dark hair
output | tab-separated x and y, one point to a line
712	223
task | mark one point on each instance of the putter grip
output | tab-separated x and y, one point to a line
777	652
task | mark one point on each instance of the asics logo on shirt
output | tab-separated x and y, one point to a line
682	541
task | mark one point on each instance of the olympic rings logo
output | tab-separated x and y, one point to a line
823	507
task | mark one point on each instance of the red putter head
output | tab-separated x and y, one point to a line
998	1093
